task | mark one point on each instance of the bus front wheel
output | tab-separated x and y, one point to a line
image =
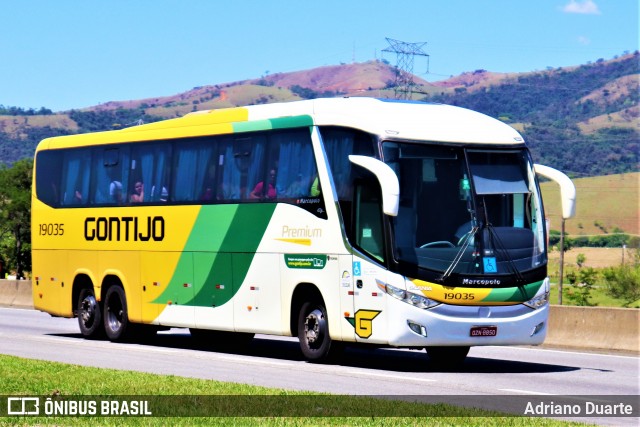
116	318
313	333
89	314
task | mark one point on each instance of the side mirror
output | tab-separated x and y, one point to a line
567	189
387	178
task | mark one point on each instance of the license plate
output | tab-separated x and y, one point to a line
483	331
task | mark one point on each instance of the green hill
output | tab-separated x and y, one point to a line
582	120
605	204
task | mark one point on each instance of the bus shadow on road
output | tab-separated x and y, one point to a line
384	359
398	360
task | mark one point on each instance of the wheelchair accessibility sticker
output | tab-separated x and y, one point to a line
357	270
490	265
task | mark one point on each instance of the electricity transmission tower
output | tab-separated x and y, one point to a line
405	54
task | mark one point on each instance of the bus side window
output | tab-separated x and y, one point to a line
48	177
192	162
75	176
296	164
111	171
266	189
249	154
150	167
228	180
368	228
339	143
298	182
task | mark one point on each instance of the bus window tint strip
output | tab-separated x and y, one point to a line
203	170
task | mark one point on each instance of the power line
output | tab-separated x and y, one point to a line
405	53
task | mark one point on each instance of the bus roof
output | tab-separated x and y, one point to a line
398	119
386	118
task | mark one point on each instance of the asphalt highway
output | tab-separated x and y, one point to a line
277	362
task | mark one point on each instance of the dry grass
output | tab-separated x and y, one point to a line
595	257
628	118
13	125
613	90
602	203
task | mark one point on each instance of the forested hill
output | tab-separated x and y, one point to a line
582	120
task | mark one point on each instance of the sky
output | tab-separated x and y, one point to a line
66	54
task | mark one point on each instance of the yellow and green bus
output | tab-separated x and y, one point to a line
337	221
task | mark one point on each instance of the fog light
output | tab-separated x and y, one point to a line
418	329
537	329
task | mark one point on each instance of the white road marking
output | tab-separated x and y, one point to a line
515	390
395	377
547	350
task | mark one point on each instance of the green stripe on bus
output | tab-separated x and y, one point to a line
211	227
278	123
223	242
515	294
292	122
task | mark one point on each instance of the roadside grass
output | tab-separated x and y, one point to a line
598	296
596	258
25	377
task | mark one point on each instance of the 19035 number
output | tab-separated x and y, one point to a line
459	296
51	229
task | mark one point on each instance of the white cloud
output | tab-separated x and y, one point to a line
584	40
585	7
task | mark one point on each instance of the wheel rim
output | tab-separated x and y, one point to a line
88	307
114	313
314	328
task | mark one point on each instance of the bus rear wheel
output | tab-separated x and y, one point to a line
89	314
116	319
313	333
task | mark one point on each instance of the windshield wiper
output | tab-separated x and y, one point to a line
493	241
499	246
466	240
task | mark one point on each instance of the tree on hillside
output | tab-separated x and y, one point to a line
624	281
17	111
15	216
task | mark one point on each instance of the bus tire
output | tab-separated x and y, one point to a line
313	333
447	357
116	318
89	314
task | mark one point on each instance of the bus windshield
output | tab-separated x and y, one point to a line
466	211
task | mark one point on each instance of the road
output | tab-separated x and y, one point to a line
277	362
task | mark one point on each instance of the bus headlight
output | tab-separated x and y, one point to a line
395	292
541	298
419	301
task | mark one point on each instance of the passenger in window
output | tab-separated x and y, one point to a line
315	188
115	191
258	191
298	188
138	193
207	194
228	191
163	196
